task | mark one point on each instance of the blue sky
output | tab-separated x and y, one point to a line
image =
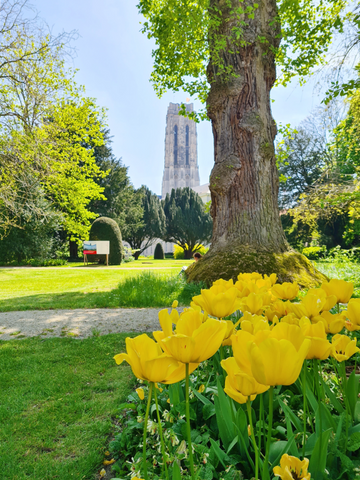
114	62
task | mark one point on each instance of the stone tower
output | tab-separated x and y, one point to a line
181	167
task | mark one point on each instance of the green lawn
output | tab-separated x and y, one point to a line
73	287
57	398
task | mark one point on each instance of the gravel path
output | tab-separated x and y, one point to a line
79	323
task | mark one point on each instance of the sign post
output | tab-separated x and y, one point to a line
98	247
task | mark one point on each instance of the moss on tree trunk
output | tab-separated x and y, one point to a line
290	266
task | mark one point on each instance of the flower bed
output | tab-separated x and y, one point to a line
249	384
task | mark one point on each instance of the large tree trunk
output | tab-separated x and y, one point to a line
247	232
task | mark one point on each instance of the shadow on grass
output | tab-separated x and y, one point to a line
143	291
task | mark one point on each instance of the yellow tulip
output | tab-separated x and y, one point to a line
238	382
225	284
254	323
340	288
276	357
279	308
285	291
240	343
249	277
273	278
291	318
218	303
353	314
174	304
320	346
343	348
330	300
148	362
292	468
333	323
253	303
140	392
194	341
230	330
310	306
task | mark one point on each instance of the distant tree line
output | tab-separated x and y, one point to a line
319	166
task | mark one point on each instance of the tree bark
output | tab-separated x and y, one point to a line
244	181
247	232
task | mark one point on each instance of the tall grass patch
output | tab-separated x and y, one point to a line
150	289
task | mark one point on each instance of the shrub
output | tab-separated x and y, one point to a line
104	228
159	252
314	253
179	251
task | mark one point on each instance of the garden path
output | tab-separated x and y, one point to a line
79	323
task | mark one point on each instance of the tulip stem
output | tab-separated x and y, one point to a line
316	375
270	422
347	407
161	435
305	406
145	431
261	420
248	407
187	404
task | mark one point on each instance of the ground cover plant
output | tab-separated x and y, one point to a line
98	287
57	398
273	390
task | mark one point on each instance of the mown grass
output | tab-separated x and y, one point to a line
57	398
342	270
67	288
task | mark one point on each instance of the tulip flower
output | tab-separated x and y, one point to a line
148	361
240	343
340	288
320	346
353	314
343	348
140	392
230	330
253	303
333	323
292	468
285	291
224	284
195	341
277	358
239	385
218	302
254	323
249	277
310	306
291	319
330	300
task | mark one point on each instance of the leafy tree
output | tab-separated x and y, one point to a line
187	222
304	158
121	202
47	136
224	52
143	235
335	200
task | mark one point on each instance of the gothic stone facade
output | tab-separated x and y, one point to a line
181	167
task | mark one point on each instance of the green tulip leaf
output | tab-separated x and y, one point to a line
318	458
176	474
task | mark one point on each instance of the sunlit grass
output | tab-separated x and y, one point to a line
60	288
57	398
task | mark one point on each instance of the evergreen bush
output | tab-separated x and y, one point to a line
159	252
104	228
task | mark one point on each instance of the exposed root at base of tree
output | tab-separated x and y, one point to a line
227	263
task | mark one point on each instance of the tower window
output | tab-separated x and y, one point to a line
187	145
175	144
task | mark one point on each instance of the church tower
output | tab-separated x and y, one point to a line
181	167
